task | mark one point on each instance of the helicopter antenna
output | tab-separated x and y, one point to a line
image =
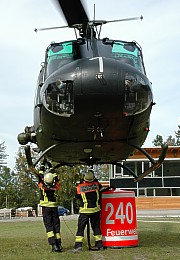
94	11
94	19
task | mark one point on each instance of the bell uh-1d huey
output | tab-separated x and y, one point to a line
93	98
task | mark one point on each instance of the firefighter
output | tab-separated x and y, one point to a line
48	184
88	193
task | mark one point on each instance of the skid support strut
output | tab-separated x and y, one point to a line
155	164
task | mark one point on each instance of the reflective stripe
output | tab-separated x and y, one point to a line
79	239
89	210
97	193
45	197
48	204
88	188
84	200
119	238
57	236
118	195
50	234
98	237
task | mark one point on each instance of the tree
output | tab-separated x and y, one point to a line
3	155
177	134
101	172
7	188
26	182
68	177
171	141
158	141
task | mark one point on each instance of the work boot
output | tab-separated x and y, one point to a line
99	245
59	246
55	248
77	250
101	248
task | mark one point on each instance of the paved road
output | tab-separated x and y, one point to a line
140	213
158	213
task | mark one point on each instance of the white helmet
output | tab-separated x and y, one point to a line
48	178
89	176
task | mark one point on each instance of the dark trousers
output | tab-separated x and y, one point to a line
52	224
95	225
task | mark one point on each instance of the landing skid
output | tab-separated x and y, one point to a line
29	158
137	178
155	164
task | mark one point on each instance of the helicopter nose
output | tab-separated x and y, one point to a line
90	76
104	77
99	75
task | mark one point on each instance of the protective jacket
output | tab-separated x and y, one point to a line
88	194
48	193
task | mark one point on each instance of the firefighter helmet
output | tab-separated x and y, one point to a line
48	178
89	176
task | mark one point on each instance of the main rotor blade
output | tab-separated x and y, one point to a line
50	28
126	19
74	12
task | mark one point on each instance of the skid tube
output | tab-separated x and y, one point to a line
155	164
32	164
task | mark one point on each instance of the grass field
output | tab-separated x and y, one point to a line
158	239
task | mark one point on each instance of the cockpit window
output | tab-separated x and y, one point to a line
125	48
128	53
138	94
60	51
58	55
125	52
59	98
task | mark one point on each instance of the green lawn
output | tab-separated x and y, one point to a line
27	240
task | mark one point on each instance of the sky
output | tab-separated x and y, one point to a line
23	50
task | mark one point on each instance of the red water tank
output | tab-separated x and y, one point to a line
118	219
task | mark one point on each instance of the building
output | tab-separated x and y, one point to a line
161	188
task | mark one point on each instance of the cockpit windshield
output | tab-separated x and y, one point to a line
60	54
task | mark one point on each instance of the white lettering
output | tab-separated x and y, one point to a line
120	232
108	232
123	213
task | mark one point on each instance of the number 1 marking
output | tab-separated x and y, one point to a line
101	67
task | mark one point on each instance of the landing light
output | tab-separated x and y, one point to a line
87	150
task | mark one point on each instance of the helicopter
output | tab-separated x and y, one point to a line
93	99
